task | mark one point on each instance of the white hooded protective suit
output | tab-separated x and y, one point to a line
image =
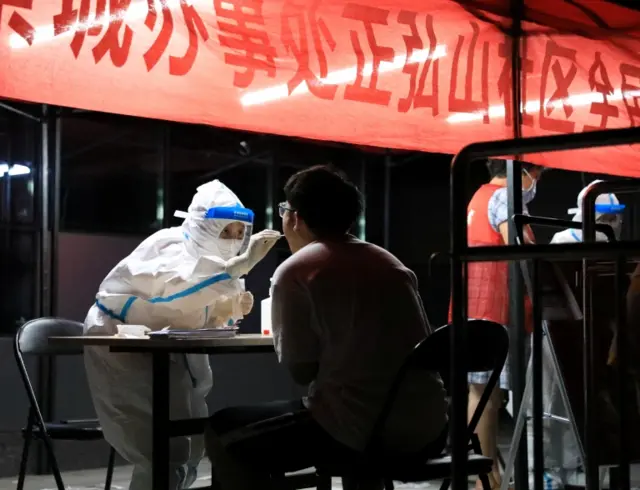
176	278
606	204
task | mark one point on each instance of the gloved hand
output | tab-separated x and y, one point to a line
259	246
246	303
221	311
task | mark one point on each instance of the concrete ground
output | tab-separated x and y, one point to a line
94	480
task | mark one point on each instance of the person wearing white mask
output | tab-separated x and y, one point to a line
183	277
608	212
488	287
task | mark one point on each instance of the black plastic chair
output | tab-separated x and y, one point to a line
33	340
490	346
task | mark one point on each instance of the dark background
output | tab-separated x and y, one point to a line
122	178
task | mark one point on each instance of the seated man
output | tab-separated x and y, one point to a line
346	314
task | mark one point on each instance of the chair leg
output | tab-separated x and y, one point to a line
484	479
54	462
110	464
23	461
445	484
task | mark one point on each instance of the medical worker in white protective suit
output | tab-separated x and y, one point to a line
608	212
183	277
564	454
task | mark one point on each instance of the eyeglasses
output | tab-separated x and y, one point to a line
284	207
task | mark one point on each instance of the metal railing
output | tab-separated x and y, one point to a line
461	254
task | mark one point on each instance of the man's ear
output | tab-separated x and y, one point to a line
297	222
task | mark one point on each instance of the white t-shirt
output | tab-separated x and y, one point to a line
354	309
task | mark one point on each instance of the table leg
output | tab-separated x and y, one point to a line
160	417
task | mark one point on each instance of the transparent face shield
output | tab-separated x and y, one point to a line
219	217
234	214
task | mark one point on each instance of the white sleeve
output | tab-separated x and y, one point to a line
183	291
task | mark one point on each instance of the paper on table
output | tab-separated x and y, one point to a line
201	333
132	331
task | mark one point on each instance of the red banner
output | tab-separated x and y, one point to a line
422	75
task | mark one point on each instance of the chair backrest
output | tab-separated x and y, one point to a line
488	348
33	337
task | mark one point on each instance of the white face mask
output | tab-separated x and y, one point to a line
229	247
529	194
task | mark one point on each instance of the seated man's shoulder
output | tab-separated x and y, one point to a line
352	255
297	263
381	257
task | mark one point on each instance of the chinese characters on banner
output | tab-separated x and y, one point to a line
423	75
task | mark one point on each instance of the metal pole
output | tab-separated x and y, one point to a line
45	305
45	368
10	108
271	205
165	172
538	449
362	221
517	13
517	334
516	287
560	252
387	201
5	206
592	470
623	373
459	389
55	225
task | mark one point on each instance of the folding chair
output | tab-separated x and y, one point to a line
33	340
490	345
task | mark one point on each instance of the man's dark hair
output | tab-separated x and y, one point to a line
498	168
325	199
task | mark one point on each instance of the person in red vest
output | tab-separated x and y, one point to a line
488	283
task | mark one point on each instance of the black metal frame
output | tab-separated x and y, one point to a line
589	235
534	286
461	254
525	219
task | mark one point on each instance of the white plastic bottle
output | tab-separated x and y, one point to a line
265	314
